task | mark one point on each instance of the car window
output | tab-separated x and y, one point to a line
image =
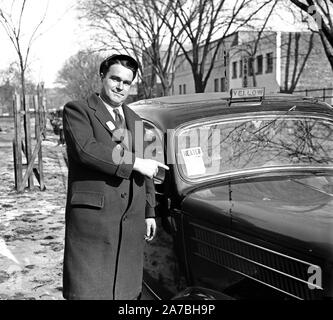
154	148
244	143
154	139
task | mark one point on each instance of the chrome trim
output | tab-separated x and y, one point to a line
255	279
151	291
243	264
257	263
251	244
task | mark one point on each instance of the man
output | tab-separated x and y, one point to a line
110	200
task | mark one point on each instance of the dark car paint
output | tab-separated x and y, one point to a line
167	113
288	216
291	207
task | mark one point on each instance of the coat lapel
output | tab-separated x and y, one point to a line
130	123
104	117
101	112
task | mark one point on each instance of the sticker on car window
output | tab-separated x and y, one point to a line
193	159
257	123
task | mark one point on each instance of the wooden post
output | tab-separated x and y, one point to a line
35	114
15	162
27	130
17	141
39	136
29	170
42	108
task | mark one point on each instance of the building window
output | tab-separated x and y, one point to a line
241	67
216	85
223	86
269	62
234	69
259	64
180	89
184	88
250	62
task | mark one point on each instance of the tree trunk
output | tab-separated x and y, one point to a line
328	52
198	82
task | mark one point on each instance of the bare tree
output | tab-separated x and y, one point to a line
250	48
79	76
13	26
135	27
12	75
205	25
295	60
322	13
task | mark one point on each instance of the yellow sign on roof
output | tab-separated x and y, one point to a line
244	93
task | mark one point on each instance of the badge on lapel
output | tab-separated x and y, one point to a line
111	125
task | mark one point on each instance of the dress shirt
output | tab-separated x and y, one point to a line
110	109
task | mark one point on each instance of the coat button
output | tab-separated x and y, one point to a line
123	195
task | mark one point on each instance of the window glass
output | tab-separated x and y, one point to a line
216	85
153	139
255	142
234	69
223	85
259	64
250	62
269	62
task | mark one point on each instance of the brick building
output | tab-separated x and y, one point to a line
150	77
279	61
218	80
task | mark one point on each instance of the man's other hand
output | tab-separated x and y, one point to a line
150	229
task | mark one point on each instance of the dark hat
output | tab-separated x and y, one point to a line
131	63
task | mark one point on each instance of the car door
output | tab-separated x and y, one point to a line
208	238
163	275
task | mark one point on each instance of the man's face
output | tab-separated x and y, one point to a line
117	83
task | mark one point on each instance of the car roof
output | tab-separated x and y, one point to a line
171	111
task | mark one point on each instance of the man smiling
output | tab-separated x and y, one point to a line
110	201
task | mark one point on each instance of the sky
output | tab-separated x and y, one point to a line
63	35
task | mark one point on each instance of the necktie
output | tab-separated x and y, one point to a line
119	119
120	123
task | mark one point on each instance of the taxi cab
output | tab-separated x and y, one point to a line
246	209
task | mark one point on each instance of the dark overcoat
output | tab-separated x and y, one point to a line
107	203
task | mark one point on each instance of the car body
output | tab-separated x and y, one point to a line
246	209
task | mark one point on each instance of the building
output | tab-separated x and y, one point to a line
279	61
254	62
151	85
218	80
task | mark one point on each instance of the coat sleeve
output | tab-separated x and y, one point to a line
150	198
84	148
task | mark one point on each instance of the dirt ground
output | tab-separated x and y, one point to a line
31	224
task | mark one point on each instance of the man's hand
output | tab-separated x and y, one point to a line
150	229
148	167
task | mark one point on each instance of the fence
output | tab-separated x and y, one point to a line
324	94
33	109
